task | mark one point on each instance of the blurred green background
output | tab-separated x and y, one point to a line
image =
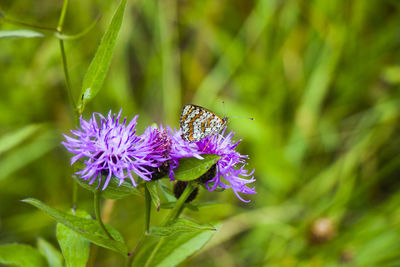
321	78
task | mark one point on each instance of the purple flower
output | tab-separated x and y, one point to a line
230	169
159	139
109	147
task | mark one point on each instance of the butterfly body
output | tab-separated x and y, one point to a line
197	123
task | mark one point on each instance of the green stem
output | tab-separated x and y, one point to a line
131	256
147	200
74	195
176	211
15	22
66	74
97	213
62	16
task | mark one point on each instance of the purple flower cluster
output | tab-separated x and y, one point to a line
108	147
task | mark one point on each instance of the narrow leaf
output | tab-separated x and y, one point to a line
192	168
21	255
155	198
179	225
113	191
52	255
20	34
75	248
88	228
174	249
11	140
98	68
23	155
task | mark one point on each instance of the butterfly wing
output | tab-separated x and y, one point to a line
197	123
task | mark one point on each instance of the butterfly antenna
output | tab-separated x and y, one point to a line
223	108
236	117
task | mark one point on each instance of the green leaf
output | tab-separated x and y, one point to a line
155	198
173	249
11	140
21	255
53	256
88	228
113	190
75	248
26	153
19	34
179	225
190	169
98	68
166	190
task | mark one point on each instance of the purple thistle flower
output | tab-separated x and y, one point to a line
107	146
230	168
159	139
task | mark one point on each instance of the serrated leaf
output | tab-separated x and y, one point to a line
98	68
155	198
113	191
20	34
88	228
179	225
75	248
174	249
190	169
52	255
21	255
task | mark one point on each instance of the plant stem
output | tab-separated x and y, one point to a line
176	211
74	195
147	201
15	22
97	213
172	215
62	16
64	57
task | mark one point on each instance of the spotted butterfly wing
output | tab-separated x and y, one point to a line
197	123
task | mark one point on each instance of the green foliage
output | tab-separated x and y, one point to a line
75	248
98	68
114	189
155	198
52	255
190	169
173	249
88	228
179	225
21	256
321	78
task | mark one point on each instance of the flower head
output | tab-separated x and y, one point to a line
109	147
159	139
229	172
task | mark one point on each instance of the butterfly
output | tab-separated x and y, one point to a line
197	123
